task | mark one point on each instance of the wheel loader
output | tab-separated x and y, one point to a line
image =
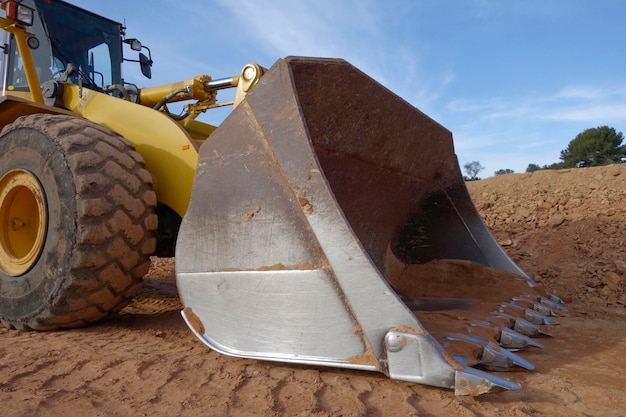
324	222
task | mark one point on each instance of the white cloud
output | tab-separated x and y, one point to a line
320	28
580	92
572	103
593	113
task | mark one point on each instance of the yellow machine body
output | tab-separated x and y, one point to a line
315	219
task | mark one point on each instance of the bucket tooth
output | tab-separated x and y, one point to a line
509	338
471	381
529	314
556	304
512	339
529	329
538	318
543	309
491	356
538	306
551	303
558	308
555	298
520	325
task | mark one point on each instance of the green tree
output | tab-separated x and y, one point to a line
532	168
555	165
503	171
593	147
472	169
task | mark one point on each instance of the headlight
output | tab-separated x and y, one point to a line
20	13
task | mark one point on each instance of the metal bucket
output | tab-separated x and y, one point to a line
308	200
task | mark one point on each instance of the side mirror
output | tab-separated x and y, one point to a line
145	62
146	65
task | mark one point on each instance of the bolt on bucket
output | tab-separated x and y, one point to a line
329	224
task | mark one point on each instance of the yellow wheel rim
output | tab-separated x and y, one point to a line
23	221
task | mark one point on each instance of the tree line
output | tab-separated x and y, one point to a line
592	147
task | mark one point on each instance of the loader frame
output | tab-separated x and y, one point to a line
299	216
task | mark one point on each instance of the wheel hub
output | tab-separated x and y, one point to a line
23	221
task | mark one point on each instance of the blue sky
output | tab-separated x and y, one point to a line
514	80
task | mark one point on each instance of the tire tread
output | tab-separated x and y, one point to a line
116	222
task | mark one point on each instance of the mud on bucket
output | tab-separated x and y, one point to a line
310	202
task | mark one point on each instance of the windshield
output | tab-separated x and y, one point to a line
91	42
68	34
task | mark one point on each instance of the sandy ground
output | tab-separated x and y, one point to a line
565	228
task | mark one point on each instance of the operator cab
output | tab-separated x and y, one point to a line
64	34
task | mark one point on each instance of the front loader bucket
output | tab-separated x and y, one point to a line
327	219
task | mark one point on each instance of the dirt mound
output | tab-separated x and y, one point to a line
564	228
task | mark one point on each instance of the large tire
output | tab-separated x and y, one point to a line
77	222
